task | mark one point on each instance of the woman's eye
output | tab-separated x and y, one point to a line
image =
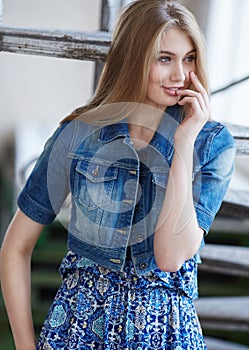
164	59
191	58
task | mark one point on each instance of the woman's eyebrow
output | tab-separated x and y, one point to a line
173	54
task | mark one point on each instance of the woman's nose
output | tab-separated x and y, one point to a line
178	73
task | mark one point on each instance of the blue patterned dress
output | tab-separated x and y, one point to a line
97	308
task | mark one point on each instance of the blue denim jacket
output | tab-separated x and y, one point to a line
117	191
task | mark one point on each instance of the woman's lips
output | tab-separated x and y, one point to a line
171	91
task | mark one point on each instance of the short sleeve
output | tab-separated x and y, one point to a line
212	179
48	179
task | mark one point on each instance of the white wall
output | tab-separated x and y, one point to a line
228	57
41	89
200	9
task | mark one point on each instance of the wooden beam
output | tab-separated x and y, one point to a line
235	205
224	259
227	313
241	135
71	45
234	210
219	344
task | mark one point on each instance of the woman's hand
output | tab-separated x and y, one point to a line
197	106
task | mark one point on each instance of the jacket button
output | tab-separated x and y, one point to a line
139	238
115	261
122	232
128	201
95	172
143	266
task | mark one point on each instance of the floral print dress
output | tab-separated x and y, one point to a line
97	308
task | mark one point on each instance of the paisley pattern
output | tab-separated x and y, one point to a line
97	308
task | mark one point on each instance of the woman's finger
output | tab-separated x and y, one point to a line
199	87
191	94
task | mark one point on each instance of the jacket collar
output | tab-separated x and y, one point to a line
163	138
111	132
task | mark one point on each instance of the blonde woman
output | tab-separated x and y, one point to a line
147	170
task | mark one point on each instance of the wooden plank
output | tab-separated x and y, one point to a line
224	259
234	210
72	45
235	205
238	131
242	147
241	135
218	344
229	227
227	313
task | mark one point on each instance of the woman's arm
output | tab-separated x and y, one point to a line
16	251
178	236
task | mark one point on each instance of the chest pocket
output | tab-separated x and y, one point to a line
94	184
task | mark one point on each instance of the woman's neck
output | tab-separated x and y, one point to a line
143	124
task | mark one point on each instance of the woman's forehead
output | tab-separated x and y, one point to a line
176	40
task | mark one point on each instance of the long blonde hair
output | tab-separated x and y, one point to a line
136	43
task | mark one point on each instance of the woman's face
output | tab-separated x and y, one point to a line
171	70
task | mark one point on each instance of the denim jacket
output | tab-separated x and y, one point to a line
117	191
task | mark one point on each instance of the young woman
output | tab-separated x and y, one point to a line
147	170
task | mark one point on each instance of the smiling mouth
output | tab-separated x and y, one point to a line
173	88
172	91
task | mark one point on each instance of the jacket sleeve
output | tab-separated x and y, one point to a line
47	186
211	181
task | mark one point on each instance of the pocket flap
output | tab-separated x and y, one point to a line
96	172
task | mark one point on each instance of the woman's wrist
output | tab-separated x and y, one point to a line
26	345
